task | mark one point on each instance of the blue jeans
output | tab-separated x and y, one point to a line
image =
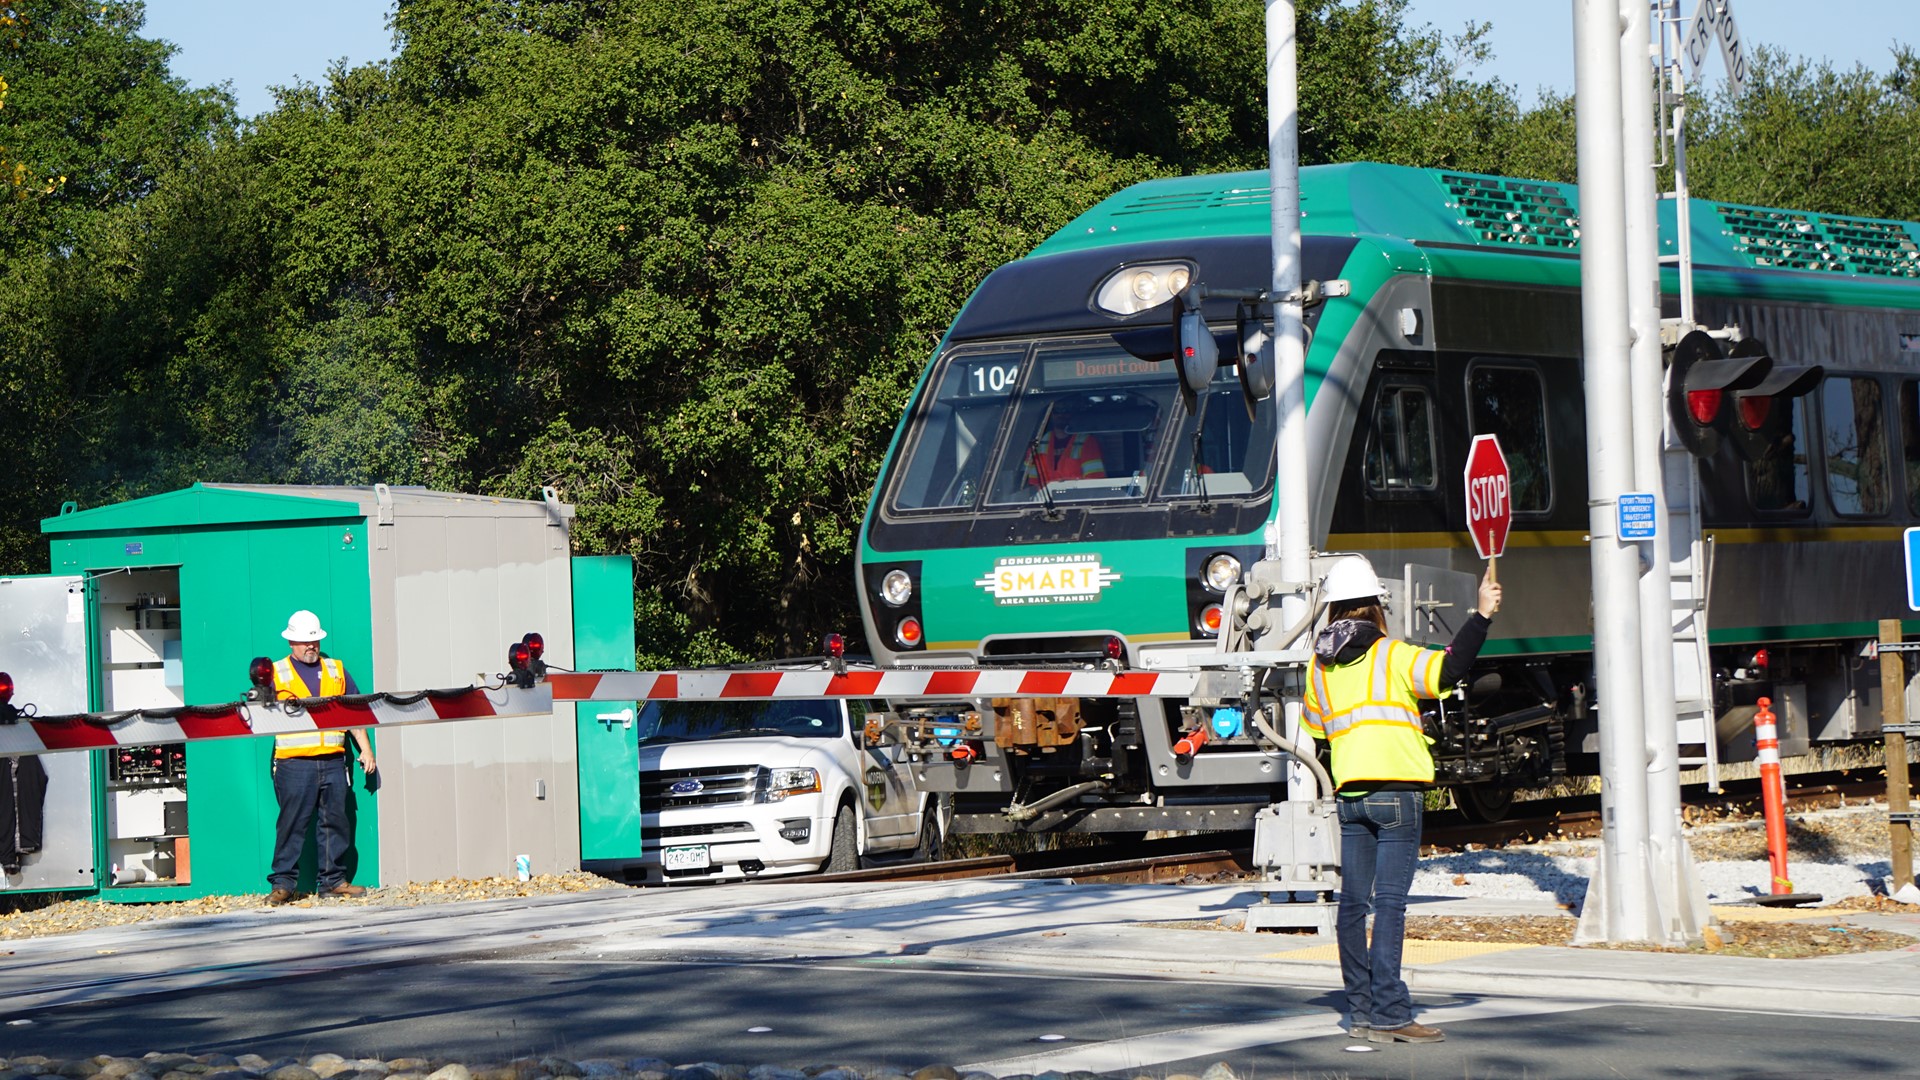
1379	845
303	785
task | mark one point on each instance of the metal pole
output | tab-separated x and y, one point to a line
1671	859
1289	337
1624	908
1893	713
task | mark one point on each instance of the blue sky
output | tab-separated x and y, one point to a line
255	44
1533	39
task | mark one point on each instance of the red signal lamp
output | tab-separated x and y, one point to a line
520	665
6	688
836	646
1754	409
536	645
9	712
908	633
1208	621
1115	648
260	674
1703	406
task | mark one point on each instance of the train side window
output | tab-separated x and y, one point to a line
1853	445
1509	401
1778	470
1910	440
1399	453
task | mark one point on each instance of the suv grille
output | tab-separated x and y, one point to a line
719	785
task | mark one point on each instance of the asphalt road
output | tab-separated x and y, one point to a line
909	1012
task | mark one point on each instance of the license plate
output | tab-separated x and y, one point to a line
693	857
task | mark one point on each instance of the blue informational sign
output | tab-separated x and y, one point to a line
1636	516
1913	554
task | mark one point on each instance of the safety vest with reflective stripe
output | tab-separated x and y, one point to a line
1368	712
1079	458
287	683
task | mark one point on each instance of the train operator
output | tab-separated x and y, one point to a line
1363	694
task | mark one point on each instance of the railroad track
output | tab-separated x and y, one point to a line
1207	855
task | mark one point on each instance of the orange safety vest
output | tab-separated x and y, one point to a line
287	683
1368	712
1079	459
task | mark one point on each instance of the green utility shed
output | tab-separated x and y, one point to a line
416	589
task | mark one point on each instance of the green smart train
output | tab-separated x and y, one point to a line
1055	497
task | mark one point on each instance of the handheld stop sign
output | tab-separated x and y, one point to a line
1489	497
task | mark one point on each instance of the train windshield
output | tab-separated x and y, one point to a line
1011	427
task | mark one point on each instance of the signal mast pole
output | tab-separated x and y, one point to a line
1620	905
1293	540
1682	913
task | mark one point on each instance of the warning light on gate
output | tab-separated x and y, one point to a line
536	645
260	674
1115	648
520	665
836	646
9	712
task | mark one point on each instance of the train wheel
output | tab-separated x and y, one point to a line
1483	802
844	857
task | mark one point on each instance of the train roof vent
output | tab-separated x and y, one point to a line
1780	238
1884	248
1518	212
1196	200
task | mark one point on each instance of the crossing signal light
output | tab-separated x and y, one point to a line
520	665
1760	417
9	712
1699	382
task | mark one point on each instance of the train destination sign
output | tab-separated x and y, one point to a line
1489	496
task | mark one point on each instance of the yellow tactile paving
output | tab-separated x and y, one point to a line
1743	913
1413	952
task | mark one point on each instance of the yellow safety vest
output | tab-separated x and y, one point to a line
1368	712
287	683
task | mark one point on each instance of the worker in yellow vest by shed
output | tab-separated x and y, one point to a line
1363	699
310	769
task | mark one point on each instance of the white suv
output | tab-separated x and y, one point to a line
739	789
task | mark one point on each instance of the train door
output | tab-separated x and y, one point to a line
43	645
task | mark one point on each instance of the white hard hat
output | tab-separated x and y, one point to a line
1352	578
304	625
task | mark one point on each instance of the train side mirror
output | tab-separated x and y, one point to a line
1255	346
1198	354
1700	382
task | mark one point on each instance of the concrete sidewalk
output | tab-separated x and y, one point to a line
1047	925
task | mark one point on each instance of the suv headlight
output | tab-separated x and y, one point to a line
792	781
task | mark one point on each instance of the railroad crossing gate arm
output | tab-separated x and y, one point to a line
240	719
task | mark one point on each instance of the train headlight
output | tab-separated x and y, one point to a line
896	588
1221	572
1133	289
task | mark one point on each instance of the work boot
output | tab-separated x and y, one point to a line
1416	1033
1358	1031
344	889
279	896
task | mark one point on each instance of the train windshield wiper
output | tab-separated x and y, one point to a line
1195	468
1033	458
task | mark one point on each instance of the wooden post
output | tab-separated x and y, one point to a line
1893	712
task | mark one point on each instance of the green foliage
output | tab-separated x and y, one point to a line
679	261
1810	137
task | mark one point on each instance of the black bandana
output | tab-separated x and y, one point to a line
1345	640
